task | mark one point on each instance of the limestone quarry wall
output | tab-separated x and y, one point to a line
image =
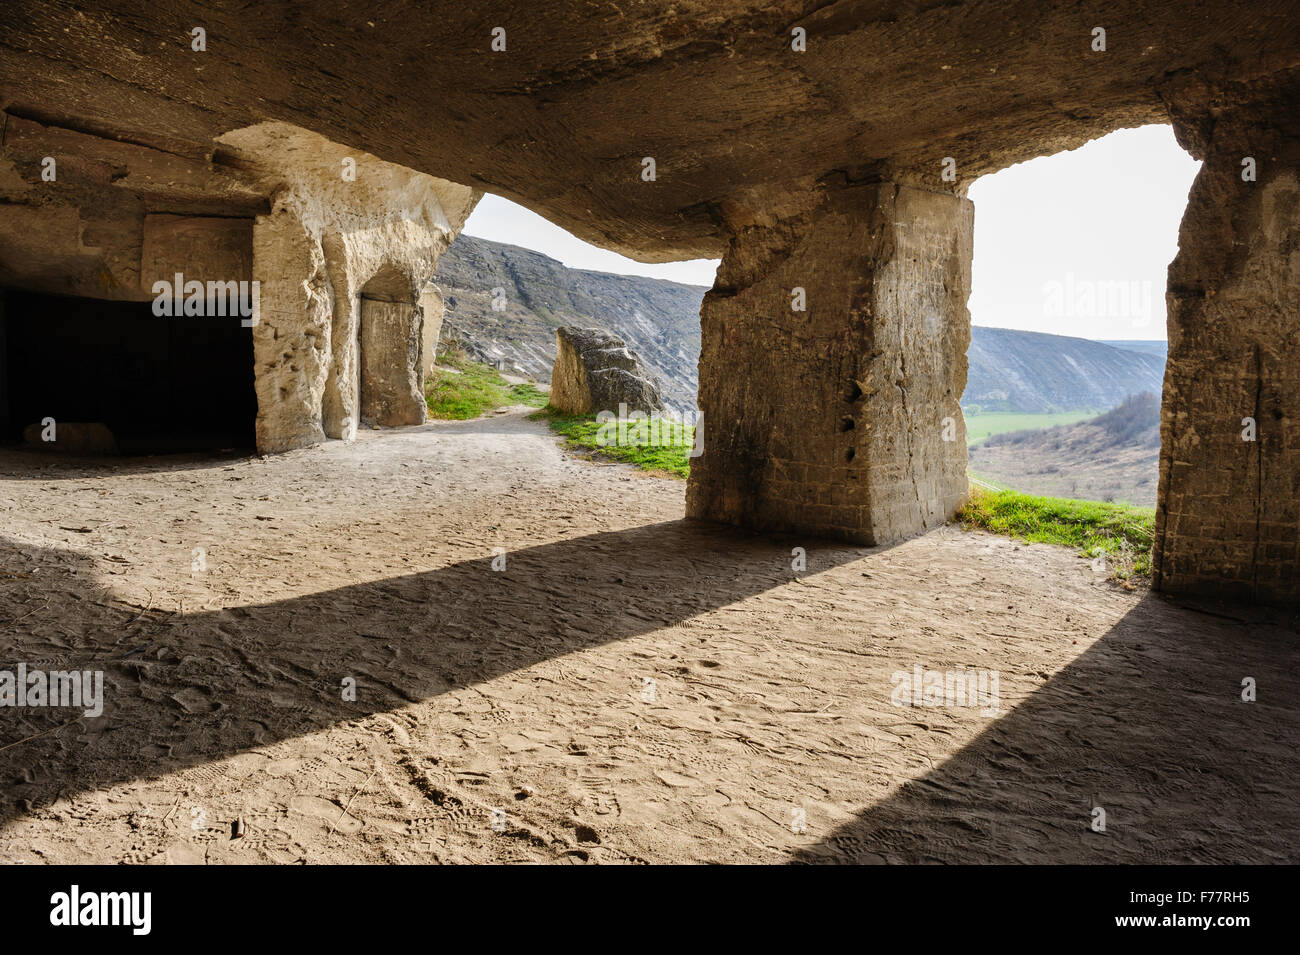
689	131
311	223
1228	518
87	215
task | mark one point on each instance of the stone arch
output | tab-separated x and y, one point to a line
389	283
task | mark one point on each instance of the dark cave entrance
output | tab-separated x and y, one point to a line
160	384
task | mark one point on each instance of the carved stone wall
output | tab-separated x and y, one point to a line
843	419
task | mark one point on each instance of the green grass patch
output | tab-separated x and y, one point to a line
473	389
985	424
670	456
1124	534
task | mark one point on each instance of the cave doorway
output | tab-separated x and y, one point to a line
388	352
1066	364
159	384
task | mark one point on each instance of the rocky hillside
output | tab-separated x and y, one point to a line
658	320
1113	457
1030	371
1150	347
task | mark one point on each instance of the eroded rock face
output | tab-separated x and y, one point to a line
431	316
390	355
319	229
595	372
373	236
1228	518
717	92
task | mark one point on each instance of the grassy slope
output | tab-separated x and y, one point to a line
582	431
474	390
1124	534
984	425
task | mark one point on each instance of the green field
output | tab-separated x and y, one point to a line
986	424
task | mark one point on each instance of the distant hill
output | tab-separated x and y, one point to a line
1009	370
1031	371
658	320
1113	457
1147	347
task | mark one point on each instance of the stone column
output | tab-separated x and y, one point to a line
1228	517
291	340
842	420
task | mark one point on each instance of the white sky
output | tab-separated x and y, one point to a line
502	221
1048	233
1107	212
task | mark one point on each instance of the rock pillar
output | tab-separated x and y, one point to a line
832	367
291	340
1228	518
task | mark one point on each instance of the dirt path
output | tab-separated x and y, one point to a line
630	687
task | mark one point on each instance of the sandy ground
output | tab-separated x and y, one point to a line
510	715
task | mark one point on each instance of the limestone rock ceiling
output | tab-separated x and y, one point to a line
711	89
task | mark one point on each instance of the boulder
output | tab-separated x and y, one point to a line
594	372
74	437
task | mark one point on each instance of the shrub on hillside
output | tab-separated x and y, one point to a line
1135	421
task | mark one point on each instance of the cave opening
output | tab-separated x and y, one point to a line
159	385
1066	363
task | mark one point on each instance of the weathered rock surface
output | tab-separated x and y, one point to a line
841	419
1228	518
713	90
596	372
337	246
269	206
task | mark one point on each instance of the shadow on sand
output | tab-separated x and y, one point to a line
1150	726
184	690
